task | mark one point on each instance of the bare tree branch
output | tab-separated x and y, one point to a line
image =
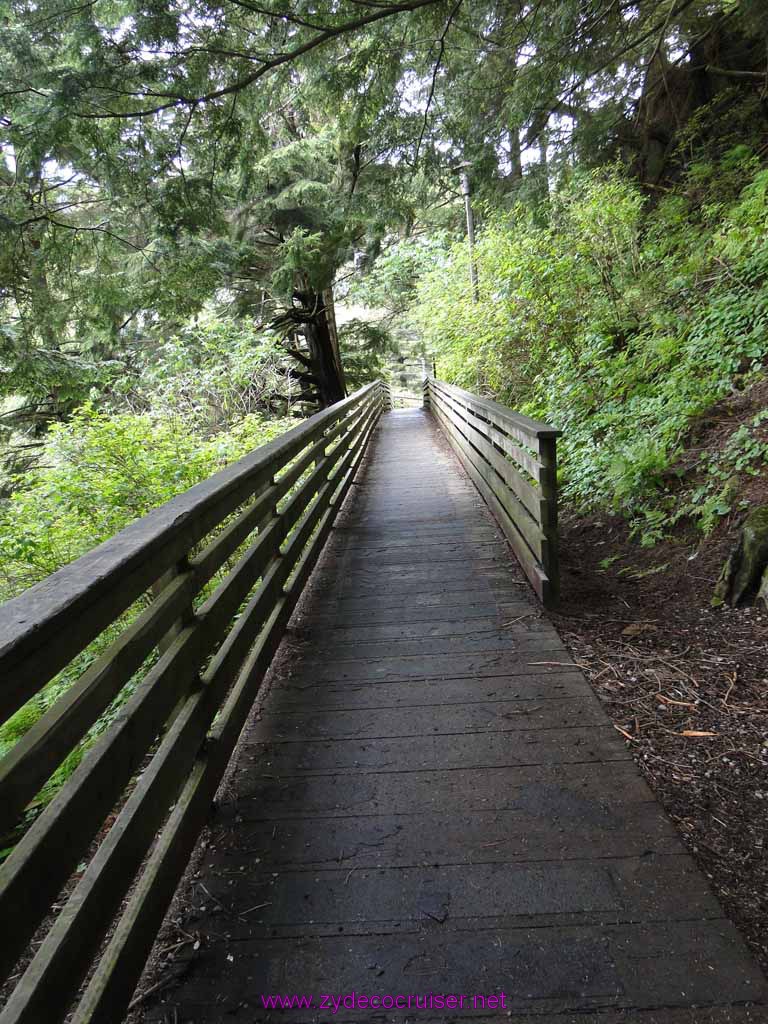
435	71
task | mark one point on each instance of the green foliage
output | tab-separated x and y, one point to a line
745	453
389	283
212	372
99	471
620	322
364	347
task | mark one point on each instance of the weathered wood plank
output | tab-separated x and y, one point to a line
613	973
484	641
589	795
528	515
404	839
569	892
420	608
485	749
39	752
456	627
549	521
532	686
31	878
485	435
528	494
449	720
527	428
530	528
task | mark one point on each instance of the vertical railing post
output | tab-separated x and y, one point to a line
548	484
425	389
187	614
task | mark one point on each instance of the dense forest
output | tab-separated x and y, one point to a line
189	191
218	216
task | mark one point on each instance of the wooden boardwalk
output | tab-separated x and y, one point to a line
432	800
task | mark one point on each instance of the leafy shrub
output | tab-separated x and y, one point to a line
617	320
100	471
213	372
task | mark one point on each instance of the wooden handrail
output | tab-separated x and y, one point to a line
512	460
218	570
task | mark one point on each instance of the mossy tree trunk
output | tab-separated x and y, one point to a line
744	578
322	342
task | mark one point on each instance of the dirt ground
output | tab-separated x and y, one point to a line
687	685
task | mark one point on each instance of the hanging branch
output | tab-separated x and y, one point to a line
435	70
323	37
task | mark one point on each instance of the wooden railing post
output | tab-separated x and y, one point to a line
187	612
548	484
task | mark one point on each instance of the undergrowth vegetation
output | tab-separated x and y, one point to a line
99	472
621	319
195	408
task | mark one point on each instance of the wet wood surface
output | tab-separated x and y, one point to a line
432	800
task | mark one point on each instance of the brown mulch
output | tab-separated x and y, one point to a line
687	685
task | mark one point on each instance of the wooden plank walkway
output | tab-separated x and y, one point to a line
433	801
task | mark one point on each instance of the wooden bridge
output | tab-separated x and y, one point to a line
428	803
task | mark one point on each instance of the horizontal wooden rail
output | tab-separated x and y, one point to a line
209	581
512	460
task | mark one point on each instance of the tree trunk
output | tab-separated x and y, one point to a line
744	578
515	157
330	306
544	159
322	343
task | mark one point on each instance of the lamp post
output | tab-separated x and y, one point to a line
465	191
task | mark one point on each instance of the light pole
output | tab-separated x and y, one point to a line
465	191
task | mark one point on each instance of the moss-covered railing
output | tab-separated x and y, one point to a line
512	460
215	574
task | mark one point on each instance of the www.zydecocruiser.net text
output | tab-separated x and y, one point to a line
334	1002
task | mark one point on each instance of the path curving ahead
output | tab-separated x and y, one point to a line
433	801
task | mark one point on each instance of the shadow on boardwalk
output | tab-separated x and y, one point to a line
433	801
